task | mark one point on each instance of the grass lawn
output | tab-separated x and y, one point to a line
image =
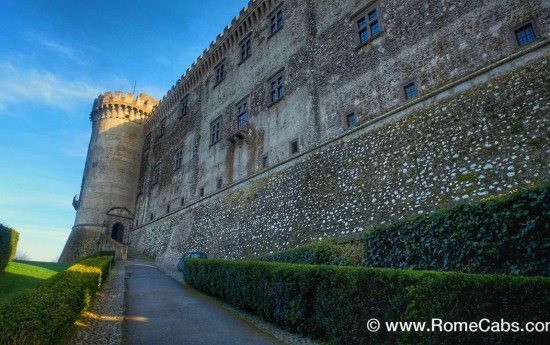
23	275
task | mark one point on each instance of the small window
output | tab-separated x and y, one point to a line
147	143
351	120
182	202
201	192
156	174
276	21
525	34
367	24
168	209
246	49
219	183
294	148
141	185
276	88
152	216
242	114
183	108
410	91
178	159
265	161
162	128
220	73
215	130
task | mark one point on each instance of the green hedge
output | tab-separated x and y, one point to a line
334	303
325	252
46	314
8	245
509	235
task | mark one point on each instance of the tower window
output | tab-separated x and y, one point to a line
525	34
351	120
178	158
152	216
276	21
183	107
368	24
294	148
201	192
410	91
276	87
220	73
215	130
168	209
147	143
242	114
182	201
219	183
162	128
246	49
265	161
156	174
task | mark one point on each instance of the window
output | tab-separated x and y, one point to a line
168	209
265	161
178	158
368	24
246	49
351	120
141	184
152	216
183	107
525	34
156	174
162	128
219	183
410	91
182	201
201	192
147	144
215	130
294	148
276	21
220	73
276	87
242	114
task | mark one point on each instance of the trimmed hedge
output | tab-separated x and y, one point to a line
46	314
509	235
325	252
8	245
335	303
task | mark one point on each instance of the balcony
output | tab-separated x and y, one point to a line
76	202
238	130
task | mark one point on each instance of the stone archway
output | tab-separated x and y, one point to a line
117	233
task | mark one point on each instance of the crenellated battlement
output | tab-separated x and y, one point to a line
123	106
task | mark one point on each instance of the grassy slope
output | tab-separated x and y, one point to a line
22	275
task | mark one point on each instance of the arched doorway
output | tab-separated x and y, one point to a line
118	232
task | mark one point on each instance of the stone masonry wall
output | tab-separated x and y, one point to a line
484	141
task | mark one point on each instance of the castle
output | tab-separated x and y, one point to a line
310	119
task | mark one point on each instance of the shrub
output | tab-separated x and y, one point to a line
325	252
335	303
8	245
46	314
509	235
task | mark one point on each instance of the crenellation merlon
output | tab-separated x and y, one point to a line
121	105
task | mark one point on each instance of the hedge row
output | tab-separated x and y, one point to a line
509	235
325	252
46	314
335	303
8	244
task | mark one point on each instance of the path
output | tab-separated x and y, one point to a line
159	310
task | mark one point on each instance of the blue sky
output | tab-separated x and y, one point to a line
56	56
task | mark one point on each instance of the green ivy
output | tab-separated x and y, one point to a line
8	245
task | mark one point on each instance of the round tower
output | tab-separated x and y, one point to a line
105	205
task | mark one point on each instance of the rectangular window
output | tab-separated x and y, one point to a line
141	184
201	192
152	216
351	120
183	107
215	129
410	91
265	161
168	209
276	21
246	49
276	87
162	128
294	148
156	174
147	144
178	159
368	24
219	183
525	34
220	73
242	114
182	201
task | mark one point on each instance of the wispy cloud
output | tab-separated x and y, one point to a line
19	84
56	47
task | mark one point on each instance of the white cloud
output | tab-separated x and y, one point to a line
56	47
19	84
